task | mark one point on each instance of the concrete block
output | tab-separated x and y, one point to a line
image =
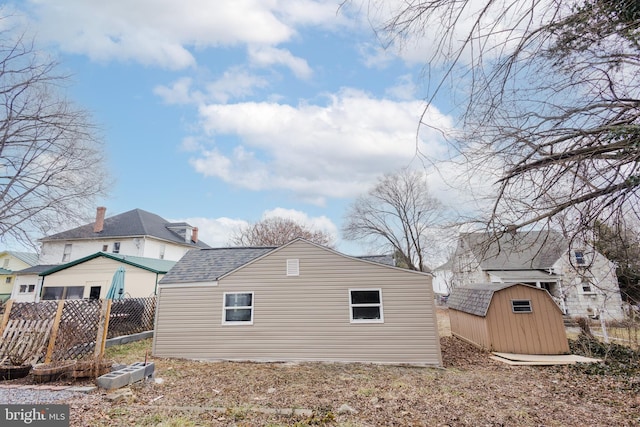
114	380
128	375
149	368
136	373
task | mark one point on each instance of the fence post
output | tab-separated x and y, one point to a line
5	317
103	328
54	332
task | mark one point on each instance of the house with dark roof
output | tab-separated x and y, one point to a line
508	318
296	302
135	232
90	277
581	281
10	263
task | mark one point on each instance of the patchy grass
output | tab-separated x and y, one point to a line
131	352
471	390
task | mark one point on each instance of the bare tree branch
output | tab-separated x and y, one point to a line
51	162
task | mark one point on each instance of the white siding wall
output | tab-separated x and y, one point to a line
172	252
303	317
52	252
138	282
606	293
25	279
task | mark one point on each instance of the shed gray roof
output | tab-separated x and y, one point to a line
136	222
208	265
475	299
380	259
532	250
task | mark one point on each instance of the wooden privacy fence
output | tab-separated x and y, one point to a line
50	331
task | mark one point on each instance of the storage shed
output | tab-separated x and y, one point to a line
508	318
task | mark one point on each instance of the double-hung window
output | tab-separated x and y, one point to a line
238	308
365	306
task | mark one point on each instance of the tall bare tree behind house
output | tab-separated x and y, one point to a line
51	160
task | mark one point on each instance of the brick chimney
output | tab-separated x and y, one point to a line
194	235
99	224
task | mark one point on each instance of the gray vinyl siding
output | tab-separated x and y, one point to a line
305	317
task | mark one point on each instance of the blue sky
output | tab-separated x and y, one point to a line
222	112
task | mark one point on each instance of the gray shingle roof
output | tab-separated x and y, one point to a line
537	250
36	269
136	222
380	259
474	299
208	265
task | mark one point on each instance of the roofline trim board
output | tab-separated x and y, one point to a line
121	258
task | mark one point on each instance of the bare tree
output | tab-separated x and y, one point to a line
51	163
398	212
551	97
277	231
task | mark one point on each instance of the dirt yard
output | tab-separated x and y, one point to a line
471	390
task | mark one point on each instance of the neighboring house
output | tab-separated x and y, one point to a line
10	263
508	318
442	278
296	302
90	277
581	280
136	232
29	283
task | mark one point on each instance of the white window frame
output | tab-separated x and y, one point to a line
66	252
528	308
293	267
582	259
28	289
379	305
589	284
225	308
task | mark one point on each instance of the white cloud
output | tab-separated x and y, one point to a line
315	151
235	83
160	32
404	89
217	232
266	56
321	223
180	92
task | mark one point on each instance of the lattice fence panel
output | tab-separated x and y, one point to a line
77	330
131	315
25	340
42	310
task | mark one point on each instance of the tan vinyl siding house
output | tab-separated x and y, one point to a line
302	300
513	318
